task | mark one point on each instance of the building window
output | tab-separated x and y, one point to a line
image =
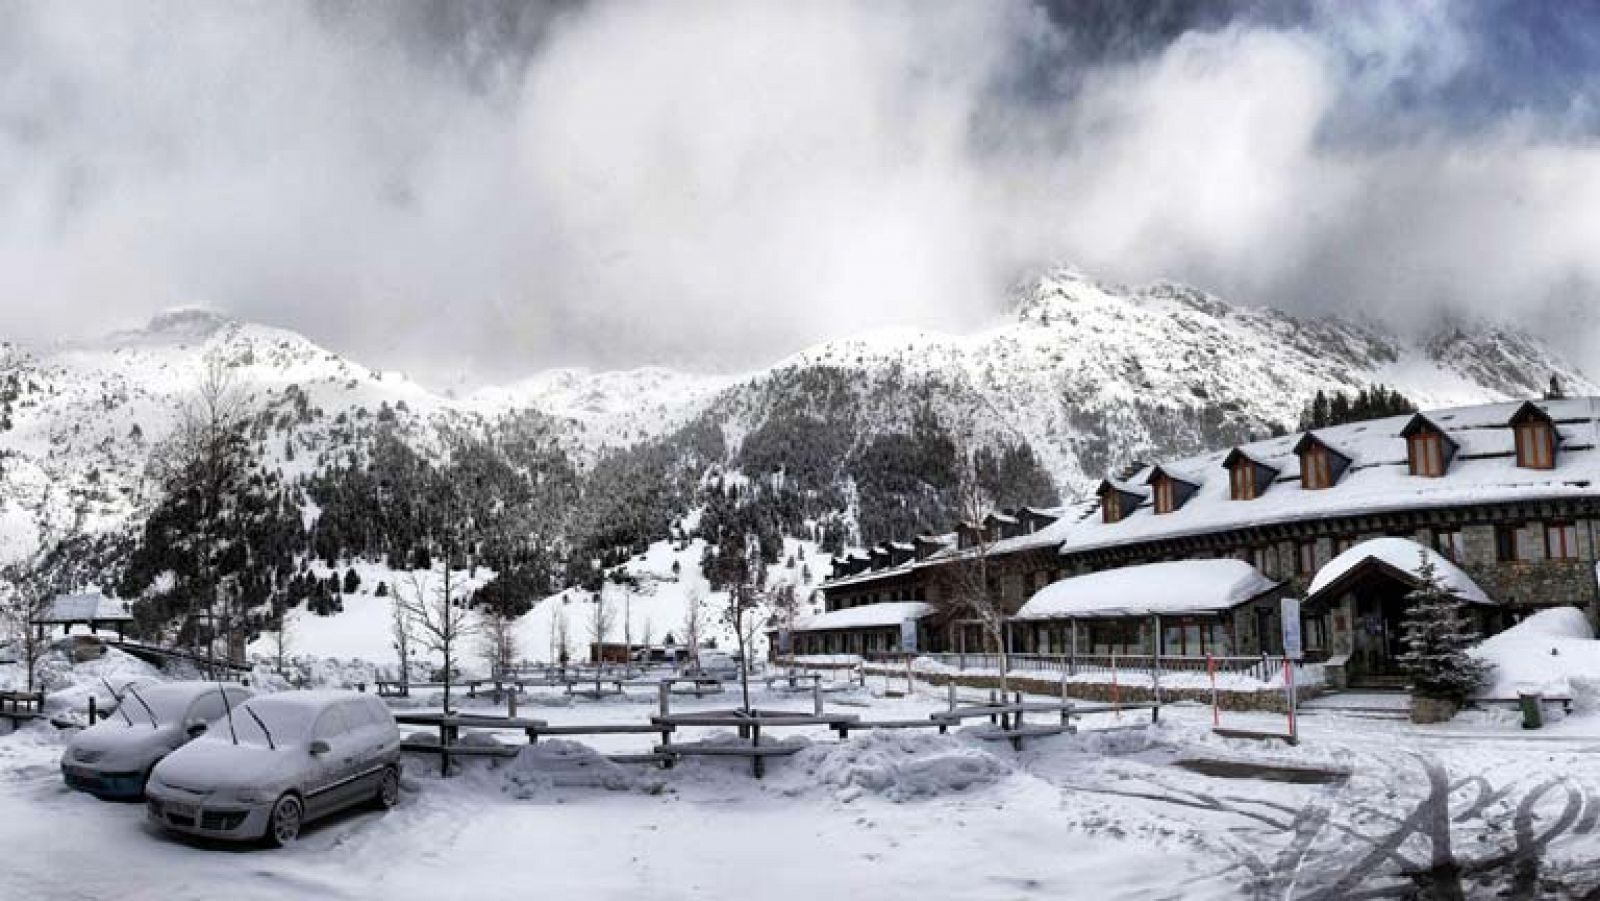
1560	541
1342	543
1426	454
1505	543
1164	496
1260	557
1306	558
1450	543
1242	481
1314	473
1111	506
1536	445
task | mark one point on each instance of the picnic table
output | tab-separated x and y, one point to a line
749	724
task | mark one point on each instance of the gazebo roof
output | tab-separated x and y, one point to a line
89	606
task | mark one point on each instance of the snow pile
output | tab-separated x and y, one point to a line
1553	652
540	768
899	766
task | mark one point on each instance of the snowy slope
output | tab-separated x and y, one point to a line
1091	376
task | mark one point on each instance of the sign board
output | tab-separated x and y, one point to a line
1291	628
908	636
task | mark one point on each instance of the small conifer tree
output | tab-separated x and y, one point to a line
1437	635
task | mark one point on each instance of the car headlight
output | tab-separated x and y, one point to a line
249	796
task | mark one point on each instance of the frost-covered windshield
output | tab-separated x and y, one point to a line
167	702
287	720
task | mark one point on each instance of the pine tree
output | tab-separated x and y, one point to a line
1437	635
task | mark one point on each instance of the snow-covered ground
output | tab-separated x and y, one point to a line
1123	809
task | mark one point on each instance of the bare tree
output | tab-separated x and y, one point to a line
499	641
400	628
746	595
600	622
785	610
560	638
29	596
967	588
647	634
436	608
693	626
30	587
282	642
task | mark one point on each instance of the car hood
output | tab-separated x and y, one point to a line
108	744
208	765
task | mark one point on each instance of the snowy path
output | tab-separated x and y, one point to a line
1105	815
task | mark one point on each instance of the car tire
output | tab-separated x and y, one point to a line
284	821
388	794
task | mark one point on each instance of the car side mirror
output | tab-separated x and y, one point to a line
320	747
195	730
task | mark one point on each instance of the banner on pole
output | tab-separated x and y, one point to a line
908	636
1291	628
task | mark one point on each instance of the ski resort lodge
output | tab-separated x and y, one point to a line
1191	557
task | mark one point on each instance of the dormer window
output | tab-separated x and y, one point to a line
1117	501
1320	465
1170	492
1536	437
1247	478
1428	449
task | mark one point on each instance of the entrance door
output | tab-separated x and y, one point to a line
1377	643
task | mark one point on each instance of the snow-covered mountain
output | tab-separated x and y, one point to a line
1090	376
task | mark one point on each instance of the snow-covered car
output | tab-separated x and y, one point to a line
113	758
287	759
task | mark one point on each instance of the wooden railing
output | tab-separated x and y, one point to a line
1263	669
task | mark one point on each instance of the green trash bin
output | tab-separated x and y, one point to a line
1532	709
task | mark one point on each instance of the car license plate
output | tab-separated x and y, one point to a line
180	809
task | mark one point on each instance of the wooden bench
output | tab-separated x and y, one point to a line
844	729
756	753
21	706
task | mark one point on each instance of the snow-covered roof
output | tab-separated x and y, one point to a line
84	607
1484	471
866	616
1171	587
1405	555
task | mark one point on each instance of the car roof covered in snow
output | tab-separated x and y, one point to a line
868	615
1170	587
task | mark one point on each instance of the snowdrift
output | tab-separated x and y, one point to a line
1553	652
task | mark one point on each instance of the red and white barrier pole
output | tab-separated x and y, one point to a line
1211	670
1116	696
1288	684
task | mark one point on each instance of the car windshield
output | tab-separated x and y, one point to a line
168	702
288	721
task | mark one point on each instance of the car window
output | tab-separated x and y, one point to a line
380	713
356	714
207	708
331	724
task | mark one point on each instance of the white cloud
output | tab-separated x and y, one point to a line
722	183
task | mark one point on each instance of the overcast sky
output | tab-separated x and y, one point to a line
490	188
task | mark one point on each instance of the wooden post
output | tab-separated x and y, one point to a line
1072	656
816	697
1155	657
511	704
951	685
93	715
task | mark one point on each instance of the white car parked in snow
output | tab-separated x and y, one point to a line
112	758
287	759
